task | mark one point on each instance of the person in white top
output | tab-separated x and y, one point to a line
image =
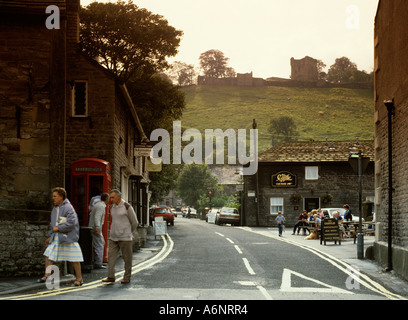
96	220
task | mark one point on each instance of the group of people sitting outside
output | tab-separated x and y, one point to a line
313	219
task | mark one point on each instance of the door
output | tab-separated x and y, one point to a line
311	203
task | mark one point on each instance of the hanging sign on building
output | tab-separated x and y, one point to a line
284	179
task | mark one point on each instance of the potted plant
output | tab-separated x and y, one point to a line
295	198
327	198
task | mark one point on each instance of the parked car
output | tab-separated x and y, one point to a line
178	212
328	213
164	212
174	212
211	215
193	213
228	215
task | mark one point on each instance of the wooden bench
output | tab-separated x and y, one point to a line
353	228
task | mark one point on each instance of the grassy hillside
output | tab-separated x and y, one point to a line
337	113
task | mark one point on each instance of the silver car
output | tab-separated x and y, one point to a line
228	215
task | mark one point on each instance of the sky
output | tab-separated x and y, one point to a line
261	36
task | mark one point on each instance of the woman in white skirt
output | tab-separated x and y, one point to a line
62	244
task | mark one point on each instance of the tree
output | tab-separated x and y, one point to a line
193	183
215	65
126	39
161	183
158	102
282	129
320	70
341	71
182	73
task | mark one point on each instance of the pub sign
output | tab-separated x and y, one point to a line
284	179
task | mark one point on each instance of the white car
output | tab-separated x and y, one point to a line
328	212
211	215
193	213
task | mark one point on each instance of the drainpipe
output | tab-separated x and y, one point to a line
391	112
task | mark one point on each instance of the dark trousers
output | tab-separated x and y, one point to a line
298	225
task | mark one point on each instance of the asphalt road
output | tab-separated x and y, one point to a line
201	261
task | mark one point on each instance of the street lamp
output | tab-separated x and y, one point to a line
359	164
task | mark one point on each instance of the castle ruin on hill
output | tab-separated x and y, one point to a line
304	73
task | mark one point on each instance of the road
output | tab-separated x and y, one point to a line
201	261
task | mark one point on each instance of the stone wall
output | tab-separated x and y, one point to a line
22	242
391	78
29	99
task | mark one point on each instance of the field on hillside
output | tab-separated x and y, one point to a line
336	113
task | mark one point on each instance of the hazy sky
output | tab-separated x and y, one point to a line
262	35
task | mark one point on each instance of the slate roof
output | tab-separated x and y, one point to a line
317	151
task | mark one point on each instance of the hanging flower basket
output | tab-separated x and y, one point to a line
295	198
327	198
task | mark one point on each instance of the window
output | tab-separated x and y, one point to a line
80	99
276	205
312	173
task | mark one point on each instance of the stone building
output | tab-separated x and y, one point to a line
391	78
304	69
57	106
311	170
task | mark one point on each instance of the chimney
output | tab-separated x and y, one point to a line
72	7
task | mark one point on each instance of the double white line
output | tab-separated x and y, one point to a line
168	245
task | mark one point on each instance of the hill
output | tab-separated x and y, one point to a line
335	113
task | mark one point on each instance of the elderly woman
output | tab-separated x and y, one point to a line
62	244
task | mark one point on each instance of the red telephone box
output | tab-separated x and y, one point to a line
89	178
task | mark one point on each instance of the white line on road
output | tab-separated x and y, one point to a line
230	240
248	266
238	249
259	287
264	292
220	234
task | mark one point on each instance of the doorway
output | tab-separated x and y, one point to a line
311	203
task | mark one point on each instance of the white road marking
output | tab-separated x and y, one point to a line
264	292
286	285
230	240
259	287
346	268
159	257
248	266
220	234
238	249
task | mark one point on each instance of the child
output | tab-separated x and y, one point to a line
280	219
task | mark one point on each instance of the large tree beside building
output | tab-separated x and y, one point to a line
126	39
134	43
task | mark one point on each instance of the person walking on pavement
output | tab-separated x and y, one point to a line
124	223
62	243
96	219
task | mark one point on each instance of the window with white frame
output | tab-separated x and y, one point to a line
80	98
311	173
276	205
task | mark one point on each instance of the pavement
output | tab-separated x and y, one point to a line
346	252
11	286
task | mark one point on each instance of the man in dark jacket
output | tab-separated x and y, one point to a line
301	221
